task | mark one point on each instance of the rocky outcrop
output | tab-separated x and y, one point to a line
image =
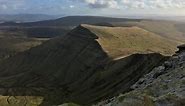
163	86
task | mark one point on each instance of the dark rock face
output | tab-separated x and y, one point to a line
169	65
73	68
75	53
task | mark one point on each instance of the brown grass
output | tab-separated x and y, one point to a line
121	41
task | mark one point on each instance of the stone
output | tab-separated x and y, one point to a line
181	48
168	64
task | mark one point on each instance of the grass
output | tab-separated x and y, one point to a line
167	29
20	100
135	99
11	45
123	41
70	104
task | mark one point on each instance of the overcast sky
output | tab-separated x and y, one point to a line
94	7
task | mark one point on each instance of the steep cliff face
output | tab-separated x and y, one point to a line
74	68
163	86
62	59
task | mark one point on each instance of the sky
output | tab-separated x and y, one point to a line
94	7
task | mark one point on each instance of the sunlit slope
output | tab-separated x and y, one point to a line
121	41
167	29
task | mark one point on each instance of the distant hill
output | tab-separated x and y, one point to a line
179	18
83	67
59	27
19	18
168	18
73	21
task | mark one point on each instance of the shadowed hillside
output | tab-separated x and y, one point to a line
71	68
10	45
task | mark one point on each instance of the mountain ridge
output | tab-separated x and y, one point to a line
73	21
120	41
71	68
22	18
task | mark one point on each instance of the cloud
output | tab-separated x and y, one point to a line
153	3
101	3
11	4
71	6
141	4
4	6
87	6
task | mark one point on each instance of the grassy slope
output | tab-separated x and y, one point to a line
11	45
35	31
168	29
121	41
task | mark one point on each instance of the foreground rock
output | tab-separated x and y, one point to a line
164	86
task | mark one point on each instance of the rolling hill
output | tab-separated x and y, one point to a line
72	21
59	27
19	18
53	28
81	67
34	32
